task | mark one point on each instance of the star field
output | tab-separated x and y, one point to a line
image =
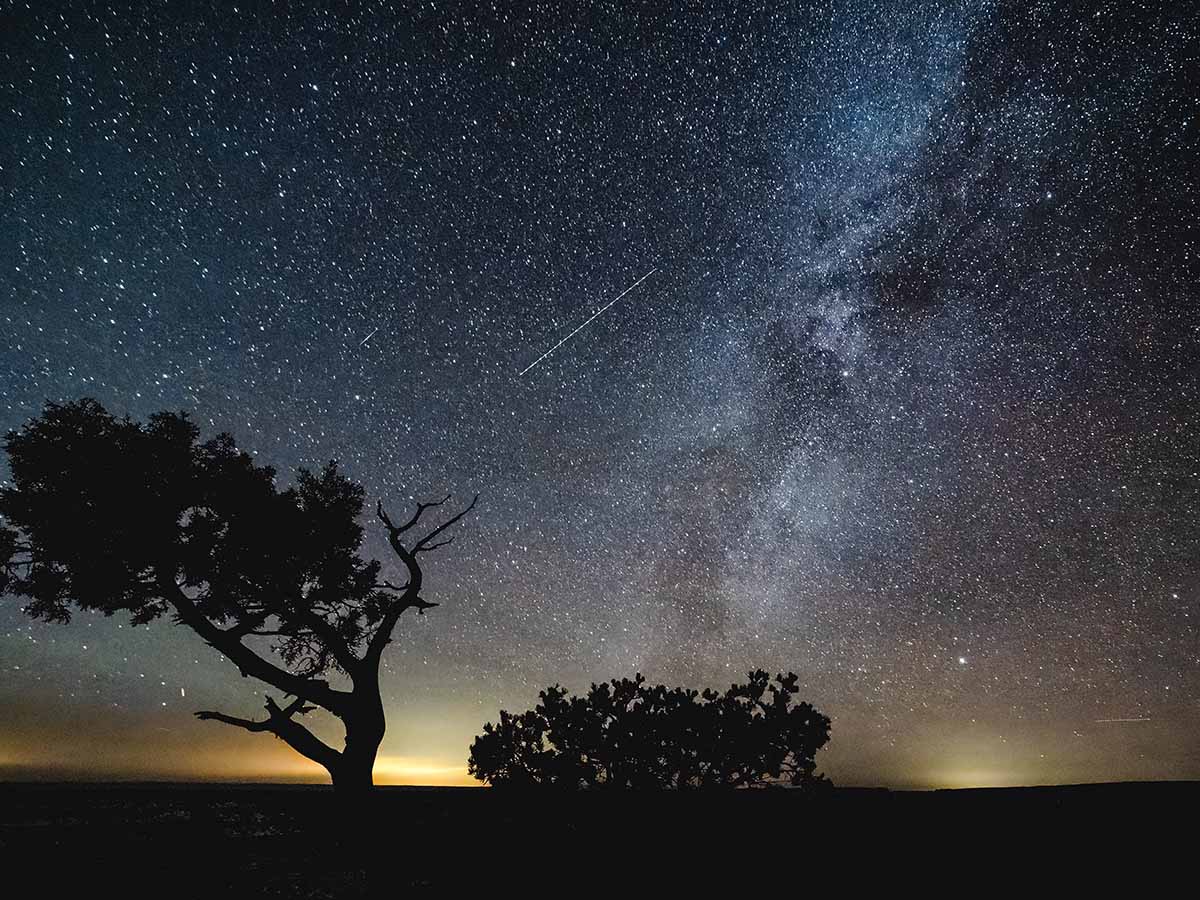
909	406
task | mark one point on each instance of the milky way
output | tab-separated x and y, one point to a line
910	406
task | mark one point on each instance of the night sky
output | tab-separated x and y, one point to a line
910	404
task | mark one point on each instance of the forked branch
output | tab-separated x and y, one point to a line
427	542
424	543
410	596
280	723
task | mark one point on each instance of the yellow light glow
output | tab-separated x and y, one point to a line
421	771
149	758
980	778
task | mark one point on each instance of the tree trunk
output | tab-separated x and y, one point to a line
353	786
365	725
353	775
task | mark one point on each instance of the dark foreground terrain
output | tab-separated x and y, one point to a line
261	841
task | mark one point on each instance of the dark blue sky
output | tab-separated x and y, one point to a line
909	405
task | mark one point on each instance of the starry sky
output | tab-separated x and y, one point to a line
908	405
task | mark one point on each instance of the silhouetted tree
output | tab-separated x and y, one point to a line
626	734
111	515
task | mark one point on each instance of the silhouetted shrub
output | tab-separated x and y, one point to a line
627	734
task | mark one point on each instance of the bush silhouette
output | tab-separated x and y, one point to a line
627	734
110	515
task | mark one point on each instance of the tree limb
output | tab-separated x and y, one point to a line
248	626
387	585
248	724
329	636
426	548
295	707
416	517
424	542
248	662
314	622
411	596
279	722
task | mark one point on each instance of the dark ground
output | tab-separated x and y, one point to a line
266	841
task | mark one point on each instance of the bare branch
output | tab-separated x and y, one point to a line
383	516
420	606
427	547
296	706
416	517
410	598
424	542
248	724
279	722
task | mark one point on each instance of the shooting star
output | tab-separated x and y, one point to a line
585	324
368	337
1115	721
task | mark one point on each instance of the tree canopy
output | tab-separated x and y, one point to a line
627	734
111	515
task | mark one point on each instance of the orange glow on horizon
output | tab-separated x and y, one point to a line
203	764
981	778
417	770
415	775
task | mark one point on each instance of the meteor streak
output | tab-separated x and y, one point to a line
585	324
